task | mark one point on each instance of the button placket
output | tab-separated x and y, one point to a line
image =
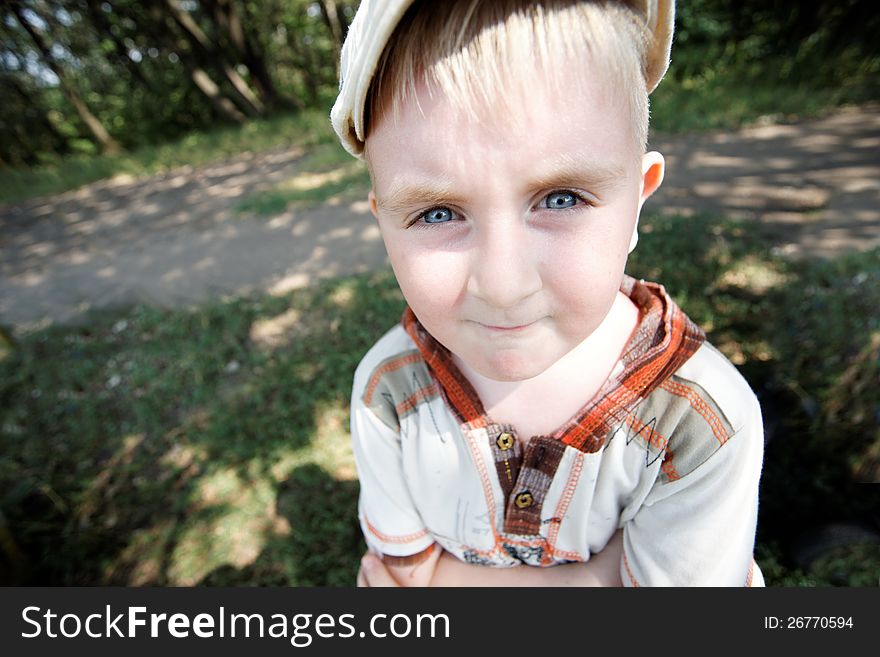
540	462
507	454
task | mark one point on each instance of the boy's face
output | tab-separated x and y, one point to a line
508	232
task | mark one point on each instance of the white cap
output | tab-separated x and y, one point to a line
375	22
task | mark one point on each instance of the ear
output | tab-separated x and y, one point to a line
653	169
374	206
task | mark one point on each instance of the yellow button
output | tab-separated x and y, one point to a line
524	500
505	441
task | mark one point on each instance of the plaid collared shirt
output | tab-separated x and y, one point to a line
670	449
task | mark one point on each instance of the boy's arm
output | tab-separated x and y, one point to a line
442	569
697	528
389	519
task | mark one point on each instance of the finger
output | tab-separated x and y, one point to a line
376	573
361	578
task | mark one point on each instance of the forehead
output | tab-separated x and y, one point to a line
479	54
577	115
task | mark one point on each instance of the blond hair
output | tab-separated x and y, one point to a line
474	52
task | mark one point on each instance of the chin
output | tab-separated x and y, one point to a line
510	367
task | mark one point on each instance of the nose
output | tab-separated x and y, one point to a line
505	264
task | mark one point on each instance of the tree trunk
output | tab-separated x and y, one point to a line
243	95
58	143
330	12
208	87
307	66
224	107
107	143
227	18
104	27
343	19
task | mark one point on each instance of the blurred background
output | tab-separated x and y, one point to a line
188	278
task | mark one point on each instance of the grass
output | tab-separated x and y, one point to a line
180	447
210	446
327	174
307	129
709	89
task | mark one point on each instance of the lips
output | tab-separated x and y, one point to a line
509	328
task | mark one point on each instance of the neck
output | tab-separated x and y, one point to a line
578	374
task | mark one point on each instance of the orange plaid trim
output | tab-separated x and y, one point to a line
653	438
483	471
751	574
632	580
663	340
412	401
458	390
649	360
385	538
385	368
699	405
668	468
571	556
410	559
561	508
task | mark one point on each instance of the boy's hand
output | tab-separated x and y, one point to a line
373	573
443	569
603	569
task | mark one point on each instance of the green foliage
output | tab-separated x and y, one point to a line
857	564
824	387
849	565
305	129
735	62
136	68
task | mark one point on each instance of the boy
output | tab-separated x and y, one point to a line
536	406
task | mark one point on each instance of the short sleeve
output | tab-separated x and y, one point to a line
390	522
697	528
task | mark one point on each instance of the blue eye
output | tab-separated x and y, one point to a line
560	200
437	216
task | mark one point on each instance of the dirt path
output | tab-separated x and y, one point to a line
176	239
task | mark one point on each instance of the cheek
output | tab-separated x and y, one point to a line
585	273
431	281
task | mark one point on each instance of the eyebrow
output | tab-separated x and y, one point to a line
414	194
565	172
577	172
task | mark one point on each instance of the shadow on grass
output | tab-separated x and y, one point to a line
806	335
324	546
352	184
152	447
211	446
327	174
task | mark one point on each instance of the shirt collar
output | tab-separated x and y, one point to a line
663	340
